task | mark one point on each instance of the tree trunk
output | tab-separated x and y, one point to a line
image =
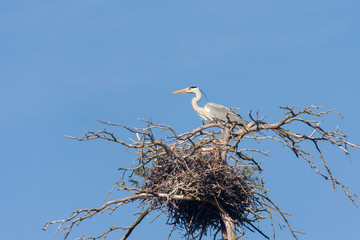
228	232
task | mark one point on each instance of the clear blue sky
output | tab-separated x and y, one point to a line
64	64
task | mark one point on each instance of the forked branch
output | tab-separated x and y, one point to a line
203	180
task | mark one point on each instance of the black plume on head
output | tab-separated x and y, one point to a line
192	87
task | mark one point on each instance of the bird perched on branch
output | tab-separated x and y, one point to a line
213	112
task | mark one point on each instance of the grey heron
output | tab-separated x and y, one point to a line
213	112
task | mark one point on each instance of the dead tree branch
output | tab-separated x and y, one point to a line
203	180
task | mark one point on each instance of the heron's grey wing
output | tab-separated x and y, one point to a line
224	114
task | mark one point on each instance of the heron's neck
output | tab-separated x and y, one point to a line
195	100
199	110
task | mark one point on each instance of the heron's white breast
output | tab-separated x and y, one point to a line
209	115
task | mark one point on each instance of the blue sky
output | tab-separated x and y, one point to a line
64	64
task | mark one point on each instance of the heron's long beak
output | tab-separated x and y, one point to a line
181	91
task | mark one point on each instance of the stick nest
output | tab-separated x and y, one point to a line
208	186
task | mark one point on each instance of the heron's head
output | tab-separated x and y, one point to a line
191	89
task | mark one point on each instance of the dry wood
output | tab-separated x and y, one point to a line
204	181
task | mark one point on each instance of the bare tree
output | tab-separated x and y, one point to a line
204	181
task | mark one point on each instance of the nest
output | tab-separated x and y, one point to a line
197	187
